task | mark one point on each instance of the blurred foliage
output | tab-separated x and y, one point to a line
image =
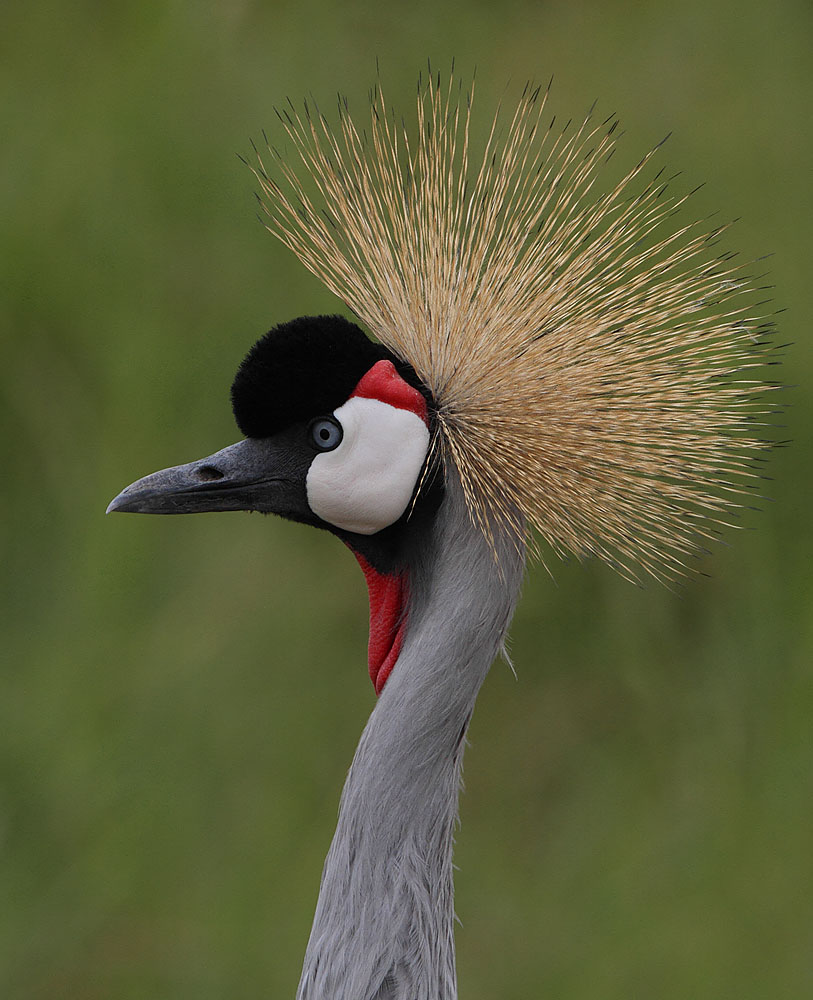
180	697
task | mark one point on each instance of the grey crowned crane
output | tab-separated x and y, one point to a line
553	364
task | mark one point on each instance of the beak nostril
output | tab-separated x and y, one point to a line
208	473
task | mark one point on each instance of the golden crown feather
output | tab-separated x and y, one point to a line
596	366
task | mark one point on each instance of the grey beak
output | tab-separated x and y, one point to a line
249	475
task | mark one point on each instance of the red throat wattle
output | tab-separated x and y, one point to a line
388	597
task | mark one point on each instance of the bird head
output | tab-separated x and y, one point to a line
337	435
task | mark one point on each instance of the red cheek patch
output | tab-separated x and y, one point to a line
382	382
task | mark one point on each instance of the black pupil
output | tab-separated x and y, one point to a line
324	433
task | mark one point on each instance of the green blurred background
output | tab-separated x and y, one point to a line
180	697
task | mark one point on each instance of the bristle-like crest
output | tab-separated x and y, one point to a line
595	362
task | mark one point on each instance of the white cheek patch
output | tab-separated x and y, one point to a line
365	484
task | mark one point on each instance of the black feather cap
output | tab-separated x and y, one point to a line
305	368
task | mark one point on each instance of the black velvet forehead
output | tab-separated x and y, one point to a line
302	369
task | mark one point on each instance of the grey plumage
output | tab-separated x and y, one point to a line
383	928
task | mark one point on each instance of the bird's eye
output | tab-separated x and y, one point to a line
326	434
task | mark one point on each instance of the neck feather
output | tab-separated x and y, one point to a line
384	923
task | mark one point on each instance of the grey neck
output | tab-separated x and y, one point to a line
384	923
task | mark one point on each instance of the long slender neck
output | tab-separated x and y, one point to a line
384	923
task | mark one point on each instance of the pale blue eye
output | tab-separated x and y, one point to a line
326	434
